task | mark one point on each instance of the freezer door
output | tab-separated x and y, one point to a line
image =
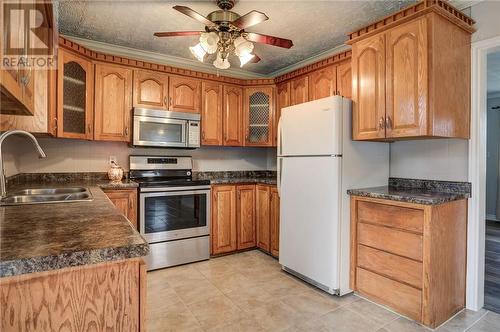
312	129
310	217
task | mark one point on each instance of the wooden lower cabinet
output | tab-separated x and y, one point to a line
125	201
224	218
410	257
263	220
99	297
274	216
245	216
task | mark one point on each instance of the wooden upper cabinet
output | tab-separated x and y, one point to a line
125	200
232	116
211	113
283	100
299	90
75	92
184	94
150	89
224	225
246	216
368	76
406	80
274	220
344	79
263	217
113	103
258	116
323	83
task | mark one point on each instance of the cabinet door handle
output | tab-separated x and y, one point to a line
388	122
381	123
203	134
89	129
165	101
126	131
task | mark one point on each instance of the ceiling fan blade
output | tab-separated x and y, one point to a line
250	19
191	13
177	33
255	59
270	40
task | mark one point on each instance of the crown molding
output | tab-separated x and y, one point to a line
311	60
163	59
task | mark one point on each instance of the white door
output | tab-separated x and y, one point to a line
311	129
310	216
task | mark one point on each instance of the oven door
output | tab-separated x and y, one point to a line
162	132
173	215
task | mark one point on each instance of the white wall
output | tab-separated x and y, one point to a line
492	146
487	24
64	155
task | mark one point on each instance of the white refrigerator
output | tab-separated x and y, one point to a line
317	163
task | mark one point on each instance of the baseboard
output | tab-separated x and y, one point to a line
492	217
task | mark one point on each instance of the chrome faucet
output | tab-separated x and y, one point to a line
3	189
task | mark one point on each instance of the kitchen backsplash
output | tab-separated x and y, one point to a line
67	155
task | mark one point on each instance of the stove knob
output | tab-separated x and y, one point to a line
188	173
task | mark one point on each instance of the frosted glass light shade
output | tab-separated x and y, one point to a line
245	58
220	63
198	52
242	46
209	41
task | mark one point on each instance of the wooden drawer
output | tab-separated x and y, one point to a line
395	267
390	239
392	216
402	298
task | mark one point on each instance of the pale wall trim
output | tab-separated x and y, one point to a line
477	174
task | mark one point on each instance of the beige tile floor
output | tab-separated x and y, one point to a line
249	292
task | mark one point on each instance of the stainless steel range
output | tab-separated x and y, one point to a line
174	210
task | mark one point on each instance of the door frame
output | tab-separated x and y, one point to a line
476	226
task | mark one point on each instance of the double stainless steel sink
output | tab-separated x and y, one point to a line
47	195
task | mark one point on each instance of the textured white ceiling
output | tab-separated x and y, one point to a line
314	26
493	69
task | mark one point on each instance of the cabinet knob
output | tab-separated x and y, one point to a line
388	122
126	131
381	123
89	128
203	134
165	101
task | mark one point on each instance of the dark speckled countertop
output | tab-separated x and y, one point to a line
427	192
42	237
264	177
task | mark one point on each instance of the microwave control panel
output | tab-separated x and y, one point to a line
194	134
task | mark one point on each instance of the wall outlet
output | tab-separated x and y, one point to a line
112	159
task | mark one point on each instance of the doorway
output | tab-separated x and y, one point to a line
492	243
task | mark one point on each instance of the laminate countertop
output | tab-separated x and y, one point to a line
238	177
43	237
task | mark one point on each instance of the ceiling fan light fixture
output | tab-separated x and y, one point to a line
221	63
198	52
209	41
242	46
244	59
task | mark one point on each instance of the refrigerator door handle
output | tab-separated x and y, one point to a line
279	173
279	143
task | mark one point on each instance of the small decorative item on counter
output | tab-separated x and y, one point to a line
115	173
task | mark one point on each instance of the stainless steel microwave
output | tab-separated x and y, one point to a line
160	128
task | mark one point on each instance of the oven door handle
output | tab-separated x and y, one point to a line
180	190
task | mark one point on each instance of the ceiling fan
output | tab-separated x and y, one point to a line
225	34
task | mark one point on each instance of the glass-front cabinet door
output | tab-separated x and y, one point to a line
75	82
259	112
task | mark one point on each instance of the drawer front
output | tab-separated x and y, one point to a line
402	298
395	267
392	240
392	216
